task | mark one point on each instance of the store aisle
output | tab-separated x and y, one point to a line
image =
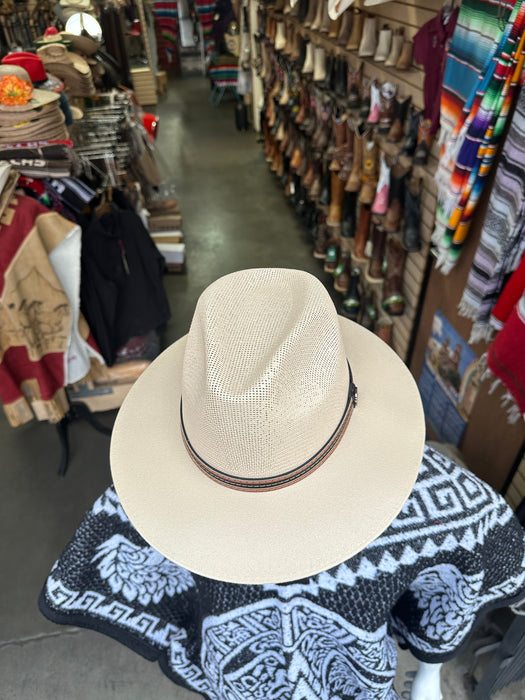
234	216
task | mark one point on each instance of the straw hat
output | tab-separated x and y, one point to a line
240	453
36	98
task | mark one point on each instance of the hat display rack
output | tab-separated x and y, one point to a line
342	100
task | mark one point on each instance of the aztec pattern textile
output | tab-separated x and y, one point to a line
205	10
502	242
483	68
455	551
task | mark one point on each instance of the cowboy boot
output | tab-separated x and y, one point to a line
319	13
340	132
328	81
319	64
369	171
410	143
368	312
346	28
347	157
362	233
332	255
340	77
353	184
374	272
321	243
383	328
279	5
289	40
352	301
386	106
280	37
326	189
308	65
301	114
335	26
399	116
404	62
326	21
353	85
349	215
366	85
411	229
367	45
312	10
424	142
298	51
336	201
380	204
398	38
357	29
393	299
315	188
383	44
342	270
375	99
396	198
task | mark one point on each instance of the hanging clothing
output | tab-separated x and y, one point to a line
122	293
430	46
41	347
502	242
454	552
481	76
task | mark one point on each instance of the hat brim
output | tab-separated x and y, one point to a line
40	98
275	536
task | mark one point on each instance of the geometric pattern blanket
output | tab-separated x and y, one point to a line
454	552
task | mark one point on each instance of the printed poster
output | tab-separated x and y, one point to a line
449	381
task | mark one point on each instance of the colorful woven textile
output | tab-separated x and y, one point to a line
205	10
454	552
483	77
502	242
166	20
505	361
224	70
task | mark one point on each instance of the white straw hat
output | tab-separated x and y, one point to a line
260	395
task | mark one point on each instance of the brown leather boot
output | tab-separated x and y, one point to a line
361	236
404	61
369	171
342	271
315	188
345	29
326	22
336	202
397	130
353	183
335	27
424	142
393	299
340	133
375	267
396	198
321	242
353	86
357	29
310	15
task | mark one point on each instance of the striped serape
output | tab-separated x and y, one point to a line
502	242
469	149
205	10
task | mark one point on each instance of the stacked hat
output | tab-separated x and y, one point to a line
40	158
27	113
71	7
34	65
73	69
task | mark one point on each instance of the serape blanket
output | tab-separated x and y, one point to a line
454	552
481	77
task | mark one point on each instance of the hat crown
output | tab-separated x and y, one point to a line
265	377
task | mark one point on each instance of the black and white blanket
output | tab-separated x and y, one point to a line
454	552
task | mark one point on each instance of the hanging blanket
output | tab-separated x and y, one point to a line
481	76
454	552
502	241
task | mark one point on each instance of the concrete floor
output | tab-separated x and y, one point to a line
234	217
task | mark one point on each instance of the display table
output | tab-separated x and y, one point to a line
454	552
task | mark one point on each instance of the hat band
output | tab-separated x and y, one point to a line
280	480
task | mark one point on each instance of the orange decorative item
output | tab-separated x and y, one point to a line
14	91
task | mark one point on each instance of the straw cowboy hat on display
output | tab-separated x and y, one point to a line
245	453
17	93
